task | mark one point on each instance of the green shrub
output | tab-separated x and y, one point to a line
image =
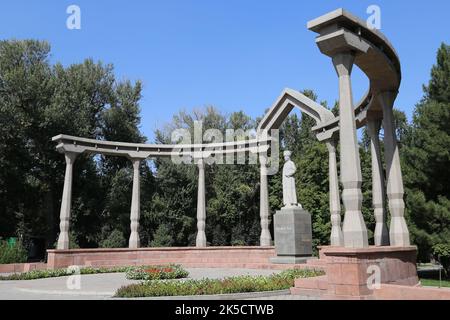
115	239
177	272
283	280
442	252
41	274
238	243
157	272
162	237
15	253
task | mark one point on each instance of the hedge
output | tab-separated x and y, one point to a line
157	272
14	253
239	284
130	271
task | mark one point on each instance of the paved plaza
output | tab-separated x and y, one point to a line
102	286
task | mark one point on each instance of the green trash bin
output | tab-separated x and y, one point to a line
12	242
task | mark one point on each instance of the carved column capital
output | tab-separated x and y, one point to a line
343	63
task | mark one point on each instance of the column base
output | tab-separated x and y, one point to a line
63	242
361	273
289	259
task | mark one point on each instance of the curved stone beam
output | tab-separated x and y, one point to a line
67	143
340	31
286	102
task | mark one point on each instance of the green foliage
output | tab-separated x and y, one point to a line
435	283
39	100
162	237
114	240
442	252
135	273
426	163
172	271
12	253
438	88
41	274
283	280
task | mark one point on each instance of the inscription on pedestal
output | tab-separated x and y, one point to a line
293	235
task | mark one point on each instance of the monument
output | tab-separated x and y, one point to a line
292	224
348	41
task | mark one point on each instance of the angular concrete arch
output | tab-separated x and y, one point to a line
286	102
323	117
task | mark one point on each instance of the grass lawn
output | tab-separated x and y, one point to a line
435	283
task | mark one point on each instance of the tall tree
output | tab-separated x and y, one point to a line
426	158
38	101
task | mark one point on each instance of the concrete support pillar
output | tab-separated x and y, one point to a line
265	238
354	228
134	241
66	202
398	230
201	205
337	237
378	190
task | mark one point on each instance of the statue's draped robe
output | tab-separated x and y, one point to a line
289	193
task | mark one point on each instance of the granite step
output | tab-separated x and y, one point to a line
319	283
317	262
310	287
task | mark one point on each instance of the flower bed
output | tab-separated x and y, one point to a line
157	272
240	284
161	272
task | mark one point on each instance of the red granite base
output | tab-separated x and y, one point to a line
209	257
348	271
22	267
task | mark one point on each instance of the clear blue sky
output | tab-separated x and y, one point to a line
236	55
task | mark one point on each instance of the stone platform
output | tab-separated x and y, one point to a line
192	257
348	272
22	267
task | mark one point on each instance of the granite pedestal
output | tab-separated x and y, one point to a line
293	235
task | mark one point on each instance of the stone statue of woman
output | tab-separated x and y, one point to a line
289	191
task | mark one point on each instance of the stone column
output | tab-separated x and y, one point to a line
398	230
201	205
66	202
354	228
378	190
337	237
265	238
134	241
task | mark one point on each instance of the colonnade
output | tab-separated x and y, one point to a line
354	231
134	240
347	41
